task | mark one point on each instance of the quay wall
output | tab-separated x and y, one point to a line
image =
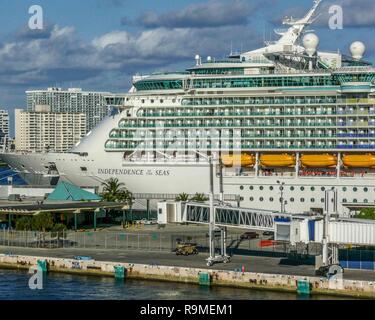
287	283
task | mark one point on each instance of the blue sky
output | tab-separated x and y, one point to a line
100	44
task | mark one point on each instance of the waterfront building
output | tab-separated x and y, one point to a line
45	131
72	100
4	129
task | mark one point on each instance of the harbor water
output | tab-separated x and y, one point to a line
14	286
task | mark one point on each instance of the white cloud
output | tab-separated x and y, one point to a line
112	38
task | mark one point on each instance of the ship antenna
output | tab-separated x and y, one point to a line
297	27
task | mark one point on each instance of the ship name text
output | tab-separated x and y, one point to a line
134	172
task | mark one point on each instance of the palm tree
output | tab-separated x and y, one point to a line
182	197
200	197
113	190
126	196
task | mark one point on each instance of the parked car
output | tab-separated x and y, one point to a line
268	233
151	222
249	235
147	222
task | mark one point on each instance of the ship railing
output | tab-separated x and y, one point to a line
168	160
170	196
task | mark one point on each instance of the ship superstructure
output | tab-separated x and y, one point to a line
283	123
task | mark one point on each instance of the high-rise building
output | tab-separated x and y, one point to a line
72	100
4	129
45	131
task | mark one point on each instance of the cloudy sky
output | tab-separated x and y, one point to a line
100	44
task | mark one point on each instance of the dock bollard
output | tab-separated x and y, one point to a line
120	272
204	279
42	265
303	287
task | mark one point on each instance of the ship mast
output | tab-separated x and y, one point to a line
290	36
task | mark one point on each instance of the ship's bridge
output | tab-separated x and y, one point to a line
232	67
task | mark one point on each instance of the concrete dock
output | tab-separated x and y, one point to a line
217	277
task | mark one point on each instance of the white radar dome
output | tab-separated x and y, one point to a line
311	42
357	50
209	58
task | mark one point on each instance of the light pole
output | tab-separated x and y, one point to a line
223	257
212	211
283	202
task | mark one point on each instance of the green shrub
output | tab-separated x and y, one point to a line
24	223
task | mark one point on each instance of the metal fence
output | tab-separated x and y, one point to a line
153	241
85	240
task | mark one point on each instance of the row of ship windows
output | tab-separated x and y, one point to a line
292	188
279	112
302	200
285	81
274	100
213	123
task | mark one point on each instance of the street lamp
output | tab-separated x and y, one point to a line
283	203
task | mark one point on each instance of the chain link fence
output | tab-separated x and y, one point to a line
85	240
153	241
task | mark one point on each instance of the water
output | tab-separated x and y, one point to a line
14	286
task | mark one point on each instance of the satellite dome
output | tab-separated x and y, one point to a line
310	42
357	50
198	59
209	58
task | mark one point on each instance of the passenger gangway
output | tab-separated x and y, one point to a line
348	232
226	216
341	231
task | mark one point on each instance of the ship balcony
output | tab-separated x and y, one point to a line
281	114
249	124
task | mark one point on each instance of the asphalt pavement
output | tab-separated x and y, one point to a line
258	264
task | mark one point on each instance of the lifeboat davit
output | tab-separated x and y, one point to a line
359	161
319	160
243	160
277	160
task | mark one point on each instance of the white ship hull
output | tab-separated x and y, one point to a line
301	194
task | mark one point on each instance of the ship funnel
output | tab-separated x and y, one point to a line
357	49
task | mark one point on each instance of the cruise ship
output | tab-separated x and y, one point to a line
282	124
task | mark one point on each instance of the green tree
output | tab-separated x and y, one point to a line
367	213
200	197
24	224
42	222
126	196
183	197
58	230
114	191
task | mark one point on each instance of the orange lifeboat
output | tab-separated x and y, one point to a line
319	160
243	160
359	161
277	160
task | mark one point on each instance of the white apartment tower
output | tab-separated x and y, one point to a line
4	129
45	131
72	100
